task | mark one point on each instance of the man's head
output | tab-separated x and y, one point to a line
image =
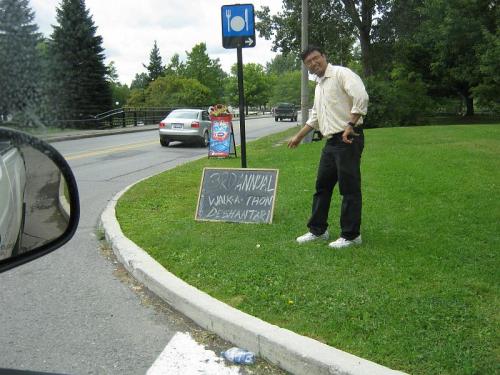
315	60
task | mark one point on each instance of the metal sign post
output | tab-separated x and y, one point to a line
238	31
241	94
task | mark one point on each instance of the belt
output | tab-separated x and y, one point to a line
336	135
357	129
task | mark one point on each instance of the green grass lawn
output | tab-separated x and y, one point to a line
420	295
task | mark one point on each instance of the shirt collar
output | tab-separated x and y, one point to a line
328	73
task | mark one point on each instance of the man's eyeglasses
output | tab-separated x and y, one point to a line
311	59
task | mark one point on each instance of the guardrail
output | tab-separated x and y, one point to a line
118	117
130	116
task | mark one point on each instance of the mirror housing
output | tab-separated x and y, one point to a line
39	203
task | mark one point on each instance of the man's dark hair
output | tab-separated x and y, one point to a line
309	50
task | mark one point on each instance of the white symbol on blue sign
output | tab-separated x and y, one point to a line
238	20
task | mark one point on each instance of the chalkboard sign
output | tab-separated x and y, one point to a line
240	195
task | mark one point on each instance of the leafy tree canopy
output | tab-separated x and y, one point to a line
140	81
286	88
175	67
205	70
283	64
454	48
256	85
171	91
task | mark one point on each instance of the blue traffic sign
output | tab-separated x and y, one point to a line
238	26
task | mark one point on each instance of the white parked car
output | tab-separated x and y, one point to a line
185	125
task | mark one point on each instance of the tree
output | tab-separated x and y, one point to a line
19	58
452	47
155	67
286	88
78	74
119	92
112	73
362	14
171	91
137	98
489	65
333	24
282	64
378	25
175	67
206	71
256	86
140	81
284	77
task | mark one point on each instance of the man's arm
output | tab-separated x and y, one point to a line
350	130
295	141
355	88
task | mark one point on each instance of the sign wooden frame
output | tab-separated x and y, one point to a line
241	195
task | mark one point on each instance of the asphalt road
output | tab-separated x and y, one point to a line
76	311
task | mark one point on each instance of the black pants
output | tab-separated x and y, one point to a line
340	162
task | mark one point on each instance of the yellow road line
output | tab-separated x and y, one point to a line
104	151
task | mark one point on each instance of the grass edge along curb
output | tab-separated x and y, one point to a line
419	296
290	351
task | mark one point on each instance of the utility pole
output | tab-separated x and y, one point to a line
304	92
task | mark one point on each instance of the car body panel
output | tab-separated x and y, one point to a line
12	187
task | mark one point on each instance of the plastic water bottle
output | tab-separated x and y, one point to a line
239	356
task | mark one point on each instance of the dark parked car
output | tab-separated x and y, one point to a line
185	125
285	110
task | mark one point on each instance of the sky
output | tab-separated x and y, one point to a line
130	27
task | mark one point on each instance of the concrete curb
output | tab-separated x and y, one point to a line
290	351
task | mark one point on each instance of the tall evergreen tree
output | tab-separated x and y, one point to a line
155	67
79	87
19	60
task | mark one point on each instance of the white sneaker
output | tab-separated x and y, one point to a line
308	237
342	242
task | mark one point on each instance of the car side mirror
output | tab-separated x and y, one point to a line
39	204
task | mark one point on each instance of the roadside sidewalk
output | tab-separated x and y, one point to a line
79	134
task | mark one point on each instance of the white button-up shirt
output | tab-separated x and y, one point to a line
338	93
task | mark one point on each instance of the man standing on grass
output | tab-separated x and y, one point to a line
340	101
